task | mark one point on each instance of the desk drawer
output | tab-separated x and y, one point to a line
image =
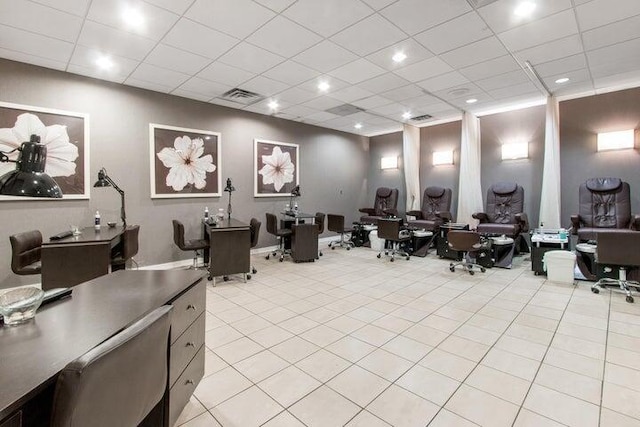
185	385
185	347
186	309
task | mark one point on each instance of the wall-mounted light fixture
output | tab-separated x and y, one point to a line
442	158
515	150
389	162
616	140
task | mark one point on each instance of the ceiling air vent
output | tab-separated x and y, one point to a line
241	96
421	118
344	110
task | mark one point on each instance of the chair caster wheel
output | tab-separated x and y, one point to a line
267	257
450	264
407	258
209	278
320	253
483	269
281	259
471	272
595	290
378	255
254	271
225	278
248	277
452	268
629	298
392	259
333	248
348	248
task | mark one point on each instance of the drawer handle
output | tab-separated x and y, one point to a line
191	307
190	344
188	382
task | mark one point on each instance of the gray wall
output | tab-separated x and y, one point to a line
386	146
333	165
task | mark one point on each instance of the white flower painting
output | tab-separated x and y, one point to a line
276	168
185	162
64	134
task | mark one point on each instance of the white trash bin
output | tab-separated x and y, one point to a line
559	266
376	243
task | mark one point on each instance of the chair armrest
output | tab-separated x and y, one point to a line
575	223
523	220
445	215
481	216
368	211
635	222
417	214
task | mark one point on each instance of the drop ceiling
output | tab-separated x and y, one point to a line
282	49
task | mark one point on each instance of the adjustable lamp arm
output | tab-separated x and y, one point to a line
103	175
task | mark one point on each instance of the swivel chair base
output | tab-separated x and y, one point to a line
622	283
467	266
275	252
395	250
348	244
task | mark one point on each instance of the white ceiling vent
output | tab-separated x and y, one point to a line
241	96
344	110
421	118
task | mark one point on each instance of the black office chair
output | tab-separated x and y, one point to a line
280	233
319	220
618	250
391	231
119	382
465	242
254	229
335	223
26	252
128	250
194	245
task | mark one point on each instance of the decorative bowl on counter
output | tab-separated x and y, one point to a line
19	305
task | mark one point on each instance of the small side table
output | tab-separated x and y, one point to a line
543	243
442	245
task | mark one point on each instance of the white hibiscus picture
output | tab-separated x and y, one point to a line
65	135
276	168
184	162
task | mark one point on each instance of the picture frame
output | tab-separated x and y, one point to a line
278	176
171	150
66	135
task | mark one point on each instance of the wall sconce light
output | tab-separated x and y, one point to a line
442	158
616	140
516	150
389	162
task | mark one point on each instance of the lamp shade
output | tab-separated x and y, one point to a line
229	188
296	191
28	179
102	179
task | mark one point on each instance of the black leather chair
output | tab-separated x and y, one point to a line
435	209
391	231
385	204
279	233
504	214
119	382
335	223
605	205
194	245
319	221
619	250
26	252
464	241
128	250
254	229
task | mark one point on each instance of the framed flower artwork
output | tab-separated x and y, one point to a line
184	162
66	136
276	168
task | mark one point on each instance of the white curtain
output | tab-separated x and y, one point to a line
411	156
469	186
550	194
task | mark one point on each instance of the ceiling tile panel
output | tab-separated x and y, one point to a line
291	73
296	95
299	110
117	42
383	83
378	4
76	7
450	35
34	44
570	63
142	84
490	68
414	51
156	22
85	57
335	84
276	5
369	35
199	39
627	29
283	37
40	19
327	17
177	60
322	103
414	16
372	102
325	56
542	31
31	59
500	17
601	12
575	77
198	96
616	59
503	80
238	18
424	69
473	53
350	94
96	73
161	76
521	89
443	81
357	71
557	49
264	86
225	74
204	87
403	93
618	81
251	58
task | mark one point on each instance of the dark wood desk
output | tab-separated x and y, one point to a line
33	354
76	259
229	248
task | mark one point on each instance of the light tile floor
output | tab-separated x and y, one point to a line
353	340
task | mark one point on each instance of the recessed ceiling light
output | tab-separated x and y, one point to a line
323	86
562	80
406	115
133	17
472	101
399	57
358	126
273	105
104	62
524	9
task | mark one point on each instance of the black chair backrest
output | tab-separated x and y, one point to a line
130	244
118	382
335	223
504	201
386	198
25	249
320	222
272	223
178	234
435	199
389	229
605	203
463	240
254	227
618	248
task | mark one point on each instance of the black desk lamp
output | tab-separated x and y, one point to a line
28	178
294	193
105	181
229	189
